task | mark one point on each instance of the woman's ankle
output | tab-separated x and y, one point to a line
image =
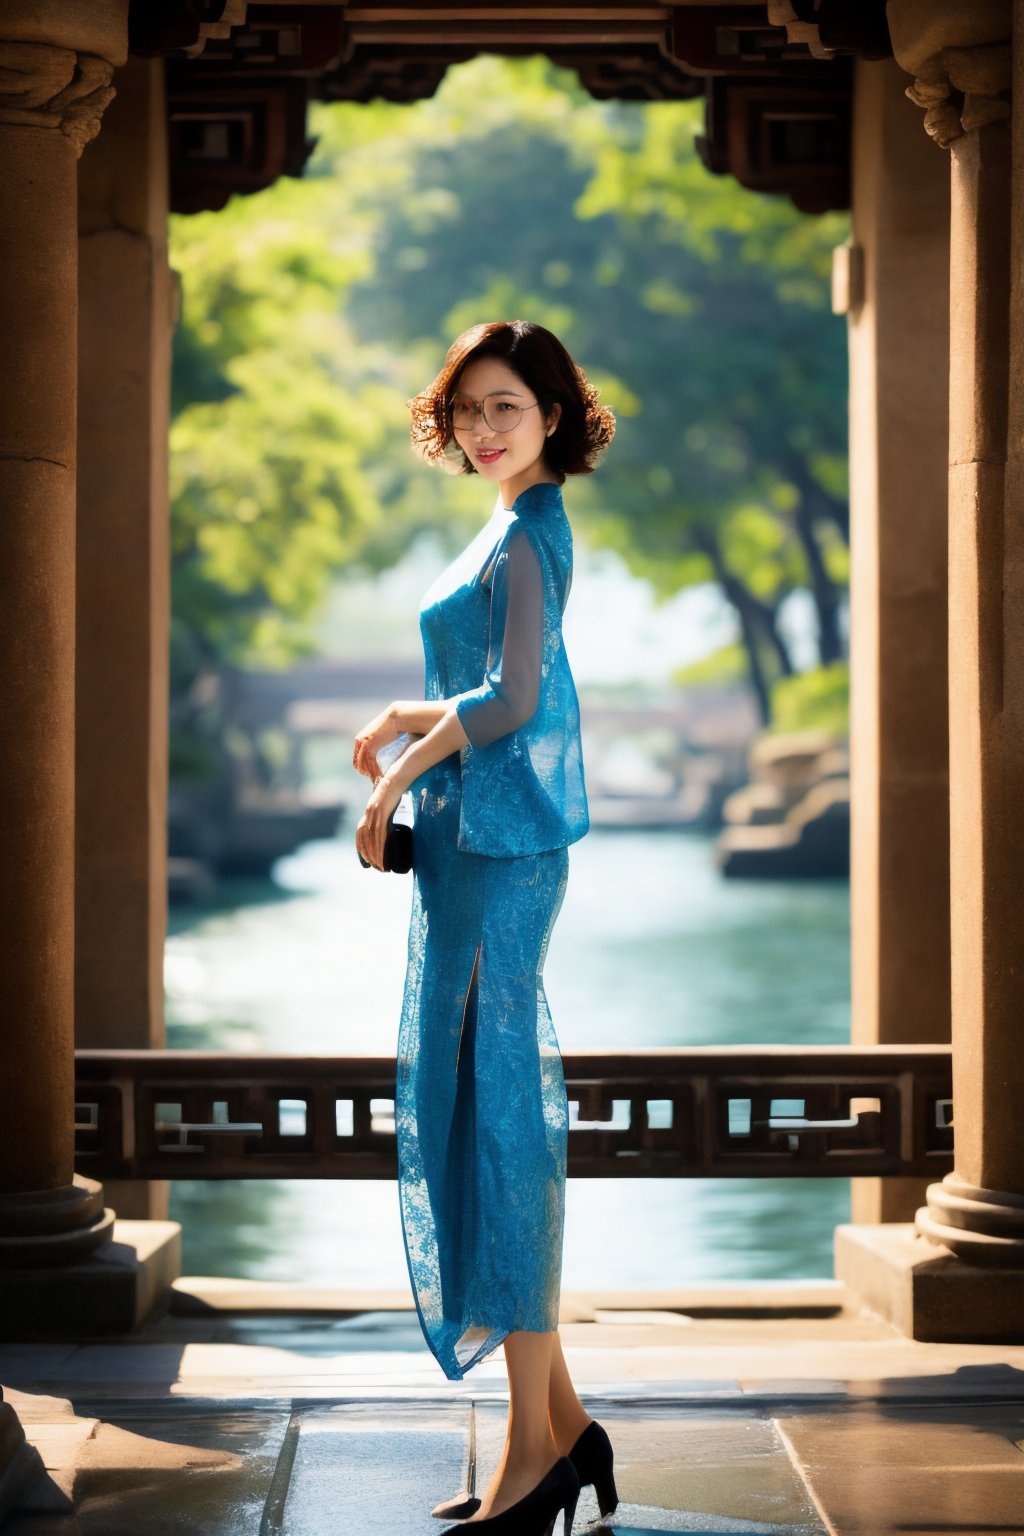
568	1430
534	1454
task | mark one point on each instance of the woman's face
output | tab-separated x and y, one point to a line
511	457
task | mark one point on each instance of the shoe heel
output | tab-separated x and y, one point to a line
570	1515
607	1497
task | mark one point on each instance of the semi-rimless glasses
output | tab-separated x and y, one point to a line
499	412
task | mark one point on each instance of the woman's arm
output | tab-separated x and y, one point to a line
505	700
417	716
510	691
444	738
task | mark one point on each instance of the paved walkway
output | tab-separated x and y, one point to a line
220	1419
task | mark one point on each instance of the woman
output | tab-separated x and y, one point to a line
497	777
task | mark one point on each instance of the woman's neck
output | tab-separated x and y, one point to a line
513	488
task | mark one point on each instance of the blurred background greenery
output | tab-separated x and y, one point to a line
311	312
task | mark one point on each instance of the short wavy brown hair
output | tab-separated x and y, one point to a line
584	428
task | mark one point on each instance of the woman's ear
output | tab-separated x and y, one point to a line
554	416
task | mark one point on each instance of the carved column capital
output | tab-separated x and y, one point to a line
965	88
42	86
960	56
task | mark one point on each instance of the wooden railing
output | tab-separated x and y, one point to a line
703	1112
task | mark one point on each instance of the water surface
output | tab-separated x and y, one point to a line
652	948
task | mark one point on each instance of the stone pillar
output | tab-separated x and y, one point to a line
897	301
958	1272
123	589
978	1211
55	70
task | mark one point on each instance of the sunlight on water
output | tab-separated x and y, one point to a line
651	948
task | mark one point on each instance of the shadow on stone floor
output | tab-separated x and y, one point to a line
163	1469
321	1426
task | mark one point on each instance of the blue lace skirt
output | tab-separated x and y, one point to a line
480	1108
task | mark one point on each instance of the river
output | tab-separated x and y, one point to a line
651	948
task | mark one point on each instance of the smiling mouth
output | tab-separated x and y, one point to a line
489	455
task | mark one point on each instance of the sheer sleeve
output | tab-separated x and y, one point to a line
508	695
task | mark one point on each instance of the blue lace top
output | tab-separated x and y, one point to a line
492	639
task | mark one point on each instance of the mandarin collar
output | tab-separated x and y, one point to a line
537	498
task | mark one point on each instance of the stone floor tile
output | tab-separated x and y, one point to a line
282	1363
33	1362
197	1473
202	1294
883	1500
258	1361
883	1468
732	1467
128	1361
38	1407
928	1435
689	1405
359	1472
770	1332
684	1472
963	1381
700	1372
623	1362
144	1472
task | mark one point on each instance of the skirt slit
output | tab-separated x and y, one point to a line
481	1113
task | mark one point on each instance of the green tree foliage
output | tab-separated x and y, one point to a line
313	310
818	699
726	665
275	430
701	308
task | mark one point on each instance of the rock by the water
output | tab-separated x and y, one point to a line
793	820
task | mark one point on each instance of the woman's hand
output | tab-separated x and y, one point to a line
373	824
380	730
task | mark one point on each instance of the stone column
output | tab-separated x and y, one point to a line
55	70
897	301
978	1210
958	1272
123	589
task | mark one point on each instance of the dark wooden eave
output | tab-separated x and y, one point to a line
240	76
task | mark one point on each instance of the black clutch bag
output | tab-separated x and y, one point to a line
398	837
397	842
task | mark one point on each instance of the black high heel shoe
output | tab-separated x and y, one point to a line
593	1458
536	1513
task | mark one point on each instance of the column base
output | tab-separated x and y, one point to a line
983	1226
112	1291
53	1226
925	1290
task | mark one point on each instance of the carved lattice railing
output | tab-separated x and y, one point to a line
770	1111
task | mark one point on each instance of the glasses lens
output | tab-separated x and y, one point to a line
502	415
